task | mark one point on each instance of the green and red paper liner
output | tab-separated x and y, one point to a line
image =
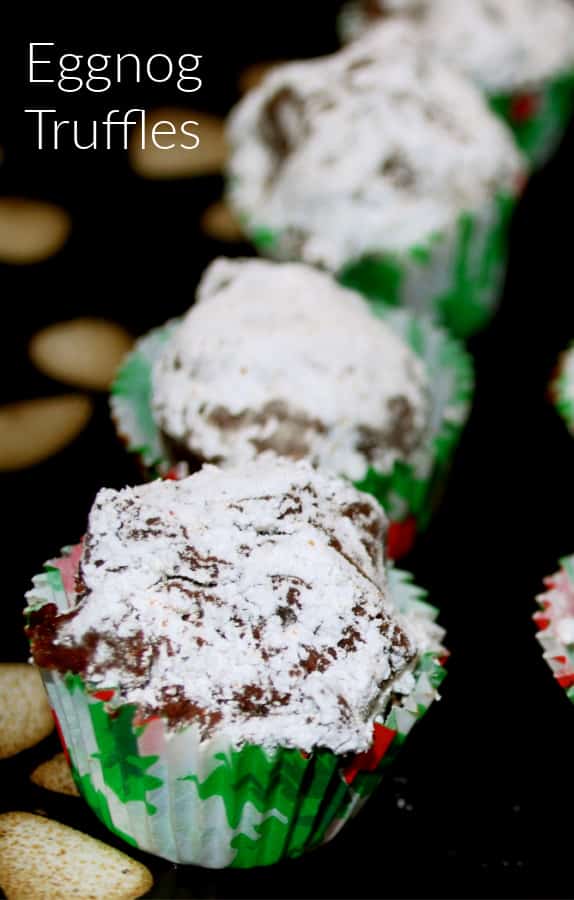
555	623
562	387
455	276
408	493
209	803
538	116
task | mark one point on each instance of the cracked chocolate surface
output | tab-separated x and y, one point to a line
249	602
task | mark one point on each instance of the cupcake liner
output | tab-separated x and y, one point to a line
408	492
562	387
131	402
209	803
537	116
555	623
456	276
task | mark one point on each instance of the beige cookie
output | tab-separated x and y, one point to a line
206	159
40	859
31	230
33	430
55	775
25	716
83	352
253	75
219	222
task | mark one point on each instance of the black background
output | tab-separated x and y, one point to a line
479	804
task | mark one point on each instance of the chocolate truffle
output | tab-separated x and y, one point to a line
282	358
372	150
250	603
503	45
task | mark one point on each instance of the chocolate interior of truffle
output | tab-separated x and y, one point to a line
288	439
282	126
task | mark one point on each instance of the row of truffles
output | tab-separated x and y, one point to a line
251	602
240	657
245	612
385	166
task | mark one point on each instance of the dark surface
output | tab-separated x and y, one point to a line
480	800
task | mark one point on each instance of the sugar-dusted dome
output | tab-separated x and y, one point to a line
251	602
282	358
375	148
503	45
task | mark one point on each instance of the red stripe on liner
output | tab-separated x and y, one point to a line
401	537
542	621
524	107
103	695
370	759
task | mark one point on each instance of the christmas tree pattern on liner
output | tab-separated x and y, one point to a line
212	804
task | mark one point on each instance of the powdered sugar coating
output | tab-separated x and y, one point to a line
503	45
257	602
281	357
371	150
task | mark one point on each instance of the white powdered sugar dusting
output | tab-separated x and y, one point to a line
251	602
503	45
280	357
402	5
374	149
565	631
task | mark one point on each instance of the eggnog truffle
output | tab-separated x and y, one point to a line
503	45
250	603
372	150
282	358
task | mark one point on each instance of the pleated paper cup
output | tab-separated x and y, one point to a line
209	803
562	388
408	493
456	276
537	114
555	623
